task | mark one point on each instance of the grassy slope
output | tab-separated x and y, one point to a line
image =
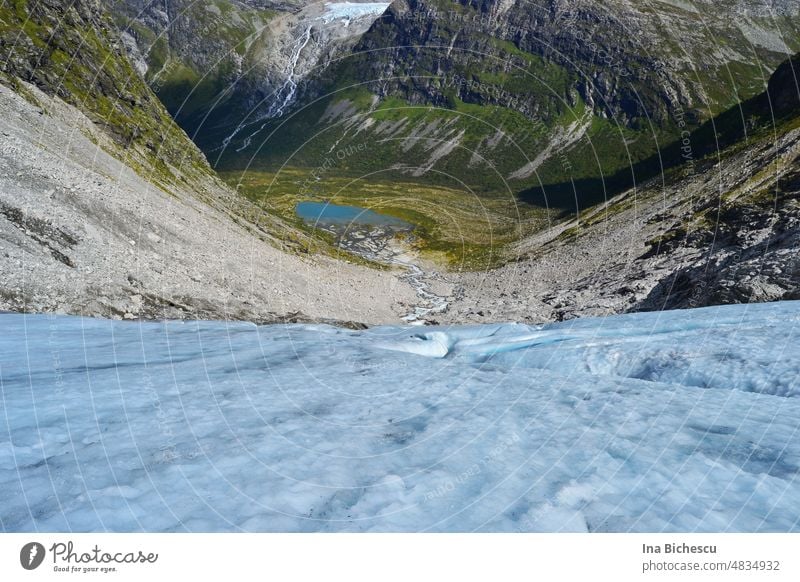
466	209
72	51
463	232
756	124
469	230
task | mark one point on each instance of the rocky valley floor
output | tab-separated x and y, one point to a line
722	231
82	233
716	233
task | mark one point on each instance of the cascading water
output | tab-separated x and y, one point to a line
289	87
336	14
287	90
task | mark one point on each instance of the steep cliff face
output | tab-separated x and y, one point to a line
556	99
630	61
190	52
723	227
107	208
297	45
739	241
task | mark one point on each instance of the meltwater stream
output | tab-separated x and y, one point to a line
372	235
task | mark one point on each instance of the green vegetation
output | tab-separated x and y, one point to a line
193	62
454	229
384	141
442	148
469	123
477	126
74	55
490	143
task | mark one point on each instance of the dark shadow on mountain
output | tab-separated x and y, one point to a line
767	110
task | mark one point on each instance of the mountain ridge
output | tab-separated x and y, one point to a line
127	228
73	51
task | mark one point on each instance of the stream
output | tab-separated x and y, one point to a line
374	236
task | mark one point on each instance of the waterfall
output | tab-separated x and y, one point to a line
344	12
288	89
290	85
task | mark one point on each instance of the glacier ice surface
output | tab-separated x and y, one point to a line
671	421
352	10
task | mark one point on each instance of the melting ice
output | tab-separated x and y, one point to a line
352	10
672	421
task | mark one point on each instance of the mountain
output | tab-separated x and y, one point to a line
189	52
108	209
71	50
524	96
514	164
721	226
245	58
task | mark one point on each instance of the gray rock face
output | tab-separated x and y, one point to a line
107	209
237	61
73	51
630	60
751	254
83	233
724	231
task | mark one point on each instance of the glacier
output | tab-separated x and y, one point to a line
348	11
678	421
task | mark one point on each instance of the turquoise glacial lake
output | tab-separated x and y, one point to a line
327	213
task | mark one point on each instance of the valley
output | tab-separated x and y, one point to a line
543	181
452	228
409	266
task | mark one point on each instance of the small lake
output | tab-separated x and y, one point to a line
326	213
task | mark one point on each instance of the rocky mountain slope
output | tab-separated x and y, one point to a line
108	209
72	51
189	52
722	228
